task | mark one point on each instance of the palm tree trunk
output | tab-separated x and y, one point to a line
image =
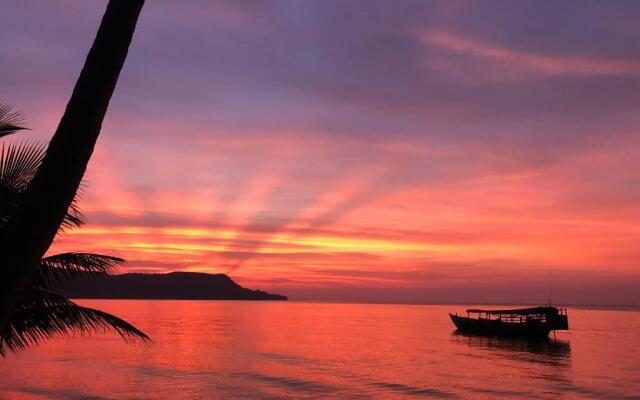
27	236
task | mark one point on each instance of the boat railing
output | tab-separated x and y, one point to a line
515	317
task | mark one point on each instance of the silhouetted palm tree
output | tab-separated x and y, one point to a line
44	204
41	313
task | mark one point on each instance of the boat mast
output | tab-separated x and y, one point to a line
548	286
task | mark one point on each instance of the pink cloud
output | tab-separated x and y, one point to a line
518	62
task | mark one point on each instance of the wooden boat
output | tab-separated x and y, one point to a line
530	322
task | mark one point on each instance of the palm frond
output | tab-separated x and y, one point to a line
74	217
63	267
19	163
45	315
11	121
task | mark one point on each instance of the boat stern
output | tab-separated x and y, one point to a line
559	322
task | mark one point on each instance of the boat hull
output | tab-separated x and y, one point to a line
494	327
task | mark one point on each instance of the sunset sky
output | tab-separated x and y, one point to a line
445	151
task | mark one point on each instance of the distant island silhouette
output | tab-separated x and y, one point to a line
174	285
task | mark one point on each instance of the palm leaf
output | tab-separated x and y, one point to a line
63	267
11	121
74	217
45	315
18	165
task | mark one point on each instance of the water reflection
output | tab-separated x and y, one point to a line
540	350
294	350
546	350
543	359
552	348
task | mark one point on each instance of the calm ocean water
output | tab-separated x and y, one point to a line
260	350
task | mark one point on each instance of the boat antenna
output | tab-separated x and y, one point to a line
548	287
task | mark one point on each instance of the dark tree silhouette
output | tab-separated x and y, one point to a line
42	314
27	235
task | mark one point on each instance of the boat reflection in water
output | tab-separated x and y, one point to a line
542	349
547	363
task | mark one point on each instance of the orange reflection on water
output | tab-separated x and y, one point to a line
209	349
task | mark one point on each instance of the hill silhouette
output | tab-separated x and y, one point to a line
174	285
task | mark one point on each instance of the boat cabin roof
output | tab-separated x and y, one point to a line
516	311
